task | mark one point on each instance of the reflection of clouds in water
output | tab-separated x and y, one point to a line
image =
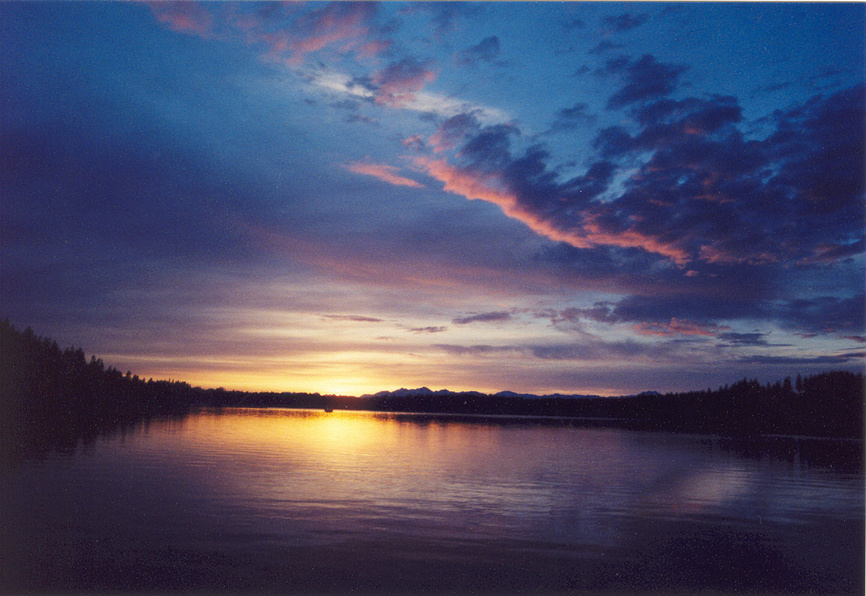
797	499
715	487
708	489
747	491
322	478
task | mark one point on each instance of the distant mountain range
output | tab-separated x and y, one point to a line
426	392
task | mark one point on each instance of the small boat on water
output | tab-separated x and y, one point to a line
329	409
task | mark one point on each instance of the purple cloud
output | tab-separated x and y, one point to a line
184	17
686	314
478	350
397	83
821	146
823	314
353	318
487	50
624	22
444	15
645	79
573	23
453	131
490	149
744	339
802	361
577	116
605	45
438	329
487	317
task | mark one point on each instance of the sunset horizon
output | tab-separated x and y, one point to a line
405	390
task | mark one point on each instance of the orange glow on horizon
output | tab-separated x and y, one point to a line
335	351
350	381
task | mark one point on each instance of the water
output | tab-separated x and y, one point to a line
289	501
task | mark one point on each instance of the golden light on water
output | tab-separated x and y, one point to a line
268	436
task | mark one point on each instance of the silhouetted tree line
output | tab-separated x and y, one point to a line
827	404
53	398
824	405
221	398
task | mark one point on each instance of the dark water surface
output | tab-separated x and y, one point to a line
289	501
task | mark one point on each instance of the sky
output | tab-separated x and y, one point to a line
596	198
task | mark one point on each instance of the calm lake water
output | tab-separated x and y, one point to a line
293	501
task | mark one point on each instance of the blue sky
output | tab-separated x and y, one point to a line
350	197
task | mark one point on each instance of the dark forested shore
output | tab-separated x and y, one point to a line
53	399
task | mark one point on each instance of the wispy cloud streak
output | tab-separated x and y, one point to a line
383	172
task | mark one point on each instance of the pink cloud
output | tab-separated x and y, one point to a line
376	265
452	131
184	17
828	252
415	142
441	142
382	172
717	253
291	36
678	327
398	83
374	48
335	22
590	234
631	238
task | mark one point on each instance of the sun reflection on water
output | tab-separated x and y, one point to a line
379	491
323	477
